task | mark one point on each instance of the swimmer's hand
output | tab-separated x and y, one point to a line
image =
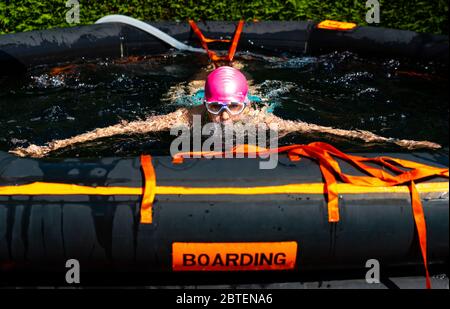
412	145
32	151
367	137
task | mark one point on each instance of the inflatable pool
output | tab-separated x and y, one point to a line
151	214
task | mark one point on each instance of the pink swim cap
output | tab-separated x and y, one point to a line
226	84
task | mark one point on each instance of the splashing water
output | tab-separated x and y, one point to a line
390	97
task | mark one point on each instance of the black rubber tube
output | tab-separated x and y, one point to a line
22	50
104	231
379	41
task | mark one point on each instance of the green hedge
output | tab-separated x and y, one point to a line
419	15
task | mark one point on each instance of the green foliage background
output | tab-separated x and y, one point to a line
429	16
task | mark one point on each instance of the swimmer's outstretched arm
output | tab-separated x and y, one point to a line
287	126
152	124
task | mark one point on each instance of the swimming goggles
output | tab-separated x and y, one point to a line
234	108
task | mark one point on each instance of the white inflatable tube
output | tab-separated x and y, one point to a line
149	29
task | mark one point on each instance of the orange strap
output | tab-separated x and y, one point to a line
211	54
149	189
63	69
324	154
419	219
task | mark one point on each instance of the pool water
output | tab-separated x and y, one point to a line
390	97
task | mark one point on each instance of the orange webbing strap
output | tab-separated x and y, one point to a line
420	172
63	69
149	189
323	153
211	54
419	219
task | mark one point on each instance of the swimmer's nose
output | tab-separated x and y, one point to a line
224	116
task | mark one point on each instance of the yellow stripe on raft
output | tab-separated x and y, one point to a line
45	188
312	188
42	188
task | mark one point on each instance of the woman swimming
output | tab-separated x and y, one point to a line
226	101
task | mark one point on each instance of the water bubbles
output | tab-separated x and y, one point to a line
392	64
55	113
18	142
46	81
356	76
272	89
328	65
121	78
294	63
370	91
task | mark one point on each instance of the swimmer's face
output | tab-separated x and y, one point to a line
227	118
